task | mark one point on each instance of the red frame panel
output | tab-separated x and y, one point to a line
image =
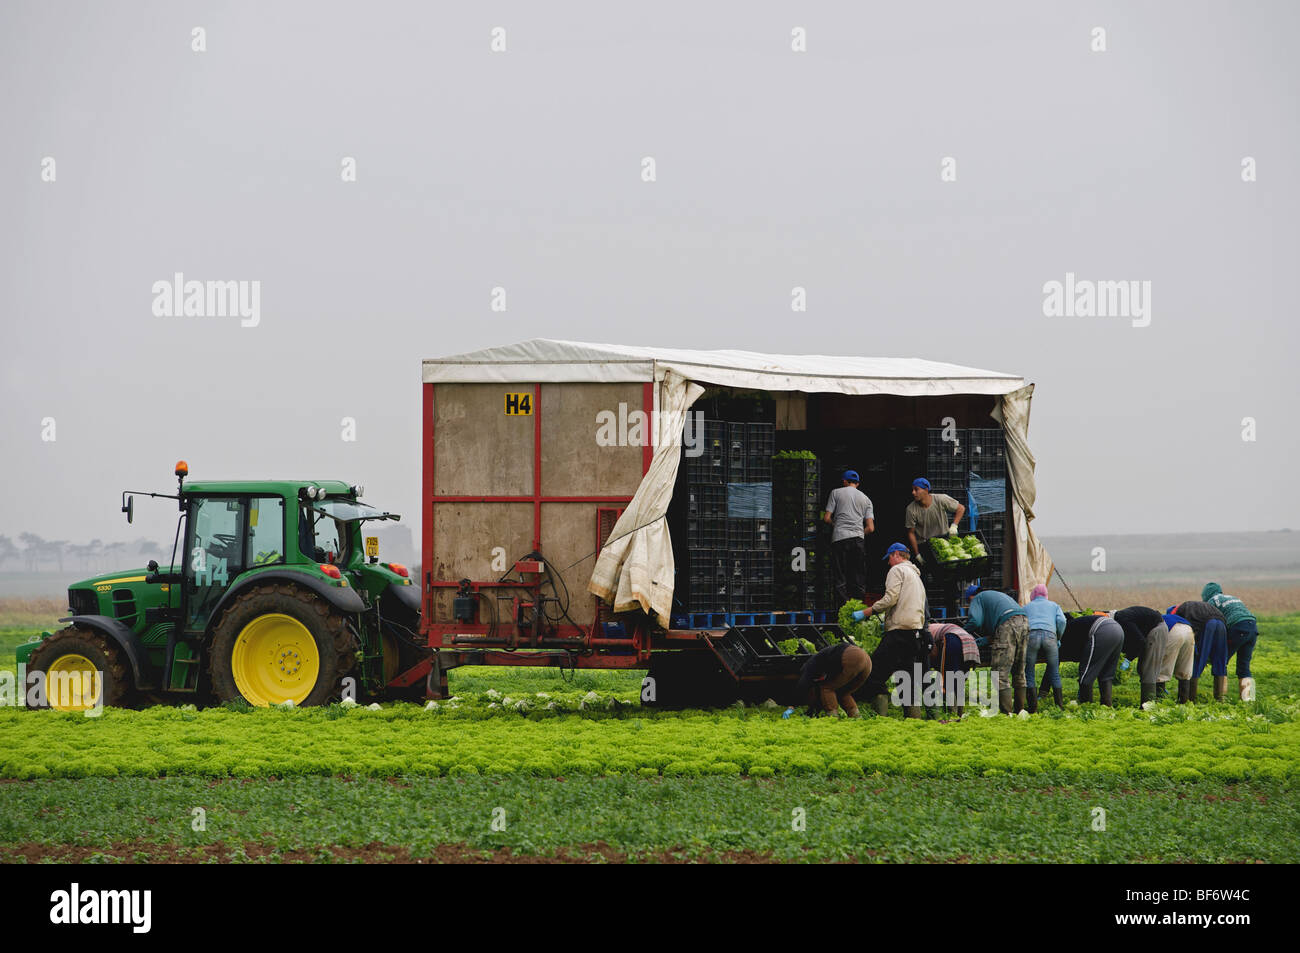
437	634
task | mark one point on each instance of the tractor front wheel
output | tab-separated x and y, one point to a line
82	670
279	643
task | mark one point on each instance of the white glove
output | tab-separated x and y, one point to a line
952	530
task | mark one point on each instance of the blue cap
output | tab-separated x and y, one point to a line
971	590
895	548
851	476
922	482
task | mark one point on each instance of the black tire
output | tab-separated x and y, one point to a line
328	627
101	651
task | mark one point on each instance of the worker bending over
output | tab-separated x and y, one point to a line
830	678
1145	635
1095	642
1243	632
1001	620
1180	655
1210	629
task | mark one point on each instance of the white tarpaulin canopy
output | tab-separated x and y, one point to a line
635	568
543	361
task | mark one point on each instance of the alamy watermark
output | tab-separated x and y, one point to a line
208	299
1084	298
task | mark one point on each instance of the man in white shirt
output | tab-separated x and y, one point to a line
851	517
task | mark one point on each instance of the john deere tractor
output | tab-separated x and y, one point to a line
275	597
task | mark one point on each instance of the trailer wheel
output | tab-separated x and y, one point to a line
82	668
279	643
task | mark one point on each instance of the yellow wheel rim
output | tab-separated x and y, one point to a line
275	660
72	683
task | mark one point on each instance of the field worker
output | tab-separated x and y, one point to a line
905	639
929	515
1145	636
830	678
1180	653
1211	631
1000	619
954	650
852	518
1046	626
1243	632
1095	642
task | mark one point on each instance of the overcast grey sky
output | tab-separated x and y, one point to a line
522	169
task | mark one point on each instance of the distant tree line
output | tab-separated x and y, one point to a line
37	554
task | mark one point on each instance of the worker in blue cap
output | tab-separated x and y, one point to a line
929	515
851	517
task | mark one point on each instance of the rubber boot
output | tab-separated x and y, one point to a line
1107	697
1248	689
1220	687
1020	699
1057	697
1184	690
880	705
1031	701
1006	699
1148	693
1162	690
1192	685
913	711
1085	694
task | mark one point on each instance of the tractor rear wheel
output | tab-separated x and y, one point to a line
278	643
82	668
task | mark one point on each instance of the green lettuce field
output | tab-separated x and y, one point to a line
524	765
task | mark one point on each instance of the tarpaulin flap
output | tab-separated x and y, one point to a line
1034	564
635	568
546	361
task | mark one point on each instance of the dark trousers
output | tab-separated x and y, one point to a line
1241	642
849	567
897	651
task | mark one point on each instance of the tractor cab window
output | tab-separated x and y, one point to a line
214	554
321	538
265	531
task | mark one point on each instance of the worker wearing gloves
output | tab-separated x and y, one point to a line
1211	631
1145	635
1180	654
1243	632
852	518
954	650
905	639
1095	642
830	678
929	515
1001	620
1046	626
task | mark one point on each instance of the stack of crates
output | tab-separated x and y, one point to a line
730	553
796	511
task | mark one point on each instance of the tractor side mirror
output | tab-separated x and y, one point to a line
152	565
129	509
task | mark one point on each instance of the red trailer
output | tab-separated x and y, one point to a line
550	469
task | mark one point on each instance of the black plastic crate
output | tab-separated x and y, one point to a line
711	465
740	534
706	500
986	452
737	449
702	533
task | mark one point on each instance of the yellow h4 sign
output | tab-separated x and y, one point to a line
519	405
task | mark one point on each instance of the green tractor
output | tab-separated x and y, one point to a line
276	599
